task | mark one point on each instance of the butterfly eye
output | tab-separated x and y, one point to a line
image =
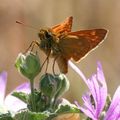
47	35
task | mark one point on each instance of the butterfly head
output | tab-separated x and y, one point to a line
45	34
46	39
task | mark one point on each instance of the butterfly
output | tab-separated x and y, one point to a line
60	43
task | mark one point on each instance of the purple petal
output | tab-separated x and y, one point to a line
98	89
87	111
13	103
3	81
88	108
25	87
113	112
77	70
103	88
87	103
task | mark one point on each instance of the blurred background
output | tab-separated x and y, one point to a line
88	14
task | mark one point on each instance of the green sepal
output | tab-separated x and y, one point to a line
54	85
62	86
48	85
22	96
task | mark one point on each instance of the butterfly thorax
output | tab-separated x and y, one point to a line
49	42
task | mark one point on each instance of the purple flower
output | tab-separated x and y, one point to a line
113	112
95	99
10	102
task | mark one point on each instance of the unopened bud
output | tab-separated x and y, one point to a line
28	64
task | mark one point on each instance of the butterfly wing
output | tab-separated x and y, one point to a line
77	44
63	28
62	64
94	36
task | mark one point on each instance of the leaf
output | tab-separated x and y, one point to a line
67	109
28	115
22	96
6	116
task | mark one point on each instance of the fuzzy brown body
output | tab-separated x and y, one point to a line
62	44
49	44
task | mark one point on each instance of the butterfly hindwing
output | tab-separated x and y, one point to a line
62	64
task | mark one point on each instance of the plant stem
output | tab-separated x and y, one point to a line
32	95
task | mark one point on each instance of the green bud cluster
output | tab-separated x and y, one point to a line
45	99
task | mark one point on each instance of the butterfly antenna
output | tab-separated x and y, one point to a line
18	22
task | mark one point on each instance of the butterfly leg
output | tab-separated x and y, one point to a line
47	64
53	67
32	44
46	60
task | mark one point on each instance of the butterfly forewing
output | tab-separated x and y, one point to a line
63	28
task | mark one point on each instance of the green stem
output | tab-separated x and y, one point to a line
32	95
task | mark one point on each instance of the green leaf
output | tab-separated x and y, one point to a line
28	115
6	116
41	101
67	109
22	96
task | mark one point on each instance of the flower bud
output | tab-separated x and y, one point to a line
63	84
28	64
48	85
54	86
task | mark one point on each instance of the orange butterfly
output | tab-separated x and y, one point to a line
62	44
